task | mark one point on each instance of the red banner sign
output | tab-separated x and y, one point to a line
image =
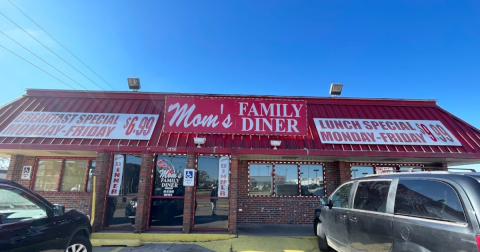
237	116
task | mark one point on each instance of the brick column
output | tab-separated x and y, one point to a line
188	211
101	173
143	195
14	172
233	194
345	171
331	178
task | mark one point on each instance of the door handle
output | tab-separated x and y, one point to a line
343	216
353	218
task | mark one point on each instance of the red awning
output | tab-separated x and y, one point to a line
153	103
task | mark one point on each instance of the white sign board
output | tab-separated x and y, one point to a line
26	172
189	177
223	181
384	170
391	132
81	125
117	174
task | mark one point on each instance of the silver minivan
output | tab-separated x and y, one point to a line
416	211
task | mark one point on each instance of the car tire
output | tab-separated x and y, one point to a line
322	238
79	243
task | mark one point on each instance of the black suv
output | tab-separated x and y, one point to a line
414	211
30	223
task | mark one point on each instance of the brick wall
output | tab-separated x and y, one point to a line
81	201
233	195
189	198
15	169
271	210
345	172
102	175
331	177
143	196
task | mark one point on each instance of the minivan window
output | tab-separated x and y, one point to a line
428	199
372	196
341	197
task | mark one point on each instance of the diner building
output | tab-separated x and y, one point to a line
195	162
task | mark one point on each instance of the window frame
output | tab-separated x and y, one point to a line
60	177
273	176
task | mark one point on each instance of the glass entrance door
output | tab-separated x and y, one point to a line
211	194
168	193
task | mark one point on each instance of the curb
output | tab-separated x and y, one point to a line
116	242
132	240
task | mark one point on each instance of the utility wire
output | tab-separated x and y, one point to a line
62	45
43	60
36	66
52	51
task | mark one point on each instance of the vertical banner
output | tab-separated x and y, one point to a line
117	173
223	181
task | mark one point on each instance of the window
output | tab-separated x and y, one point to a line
48	174
372	196
428	199
121	209
361	171
260	179
311	180
74	175
286	179
16	206
62	175
169	176
341	197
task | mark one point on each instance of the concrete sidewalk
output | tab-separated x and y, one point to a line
251	238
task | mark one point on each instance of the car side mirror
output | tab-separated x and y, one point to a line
327	202
324	201
58	210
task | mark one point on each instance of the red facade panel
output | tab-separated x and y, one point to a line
154	103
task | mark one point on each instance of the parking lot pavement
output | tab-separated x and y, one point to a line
240	244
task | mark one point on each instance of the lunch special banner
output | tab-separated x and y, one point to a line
236	116
81	125
392	132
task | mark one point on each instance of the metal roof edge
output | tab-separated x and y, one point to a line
39	91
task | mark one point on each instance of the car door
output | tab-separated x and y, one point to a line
370	221
334	219
26	223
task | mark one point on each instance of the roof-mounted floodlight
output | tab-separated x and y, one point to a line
134	84
336	89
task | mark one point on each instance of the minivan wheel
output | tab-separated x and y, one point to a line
79	243
322	238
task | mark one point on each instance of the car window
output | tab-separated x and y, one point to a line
428	199
341	197
16	206
372	196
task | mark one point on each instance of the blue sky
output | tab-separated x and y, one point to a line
425	49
